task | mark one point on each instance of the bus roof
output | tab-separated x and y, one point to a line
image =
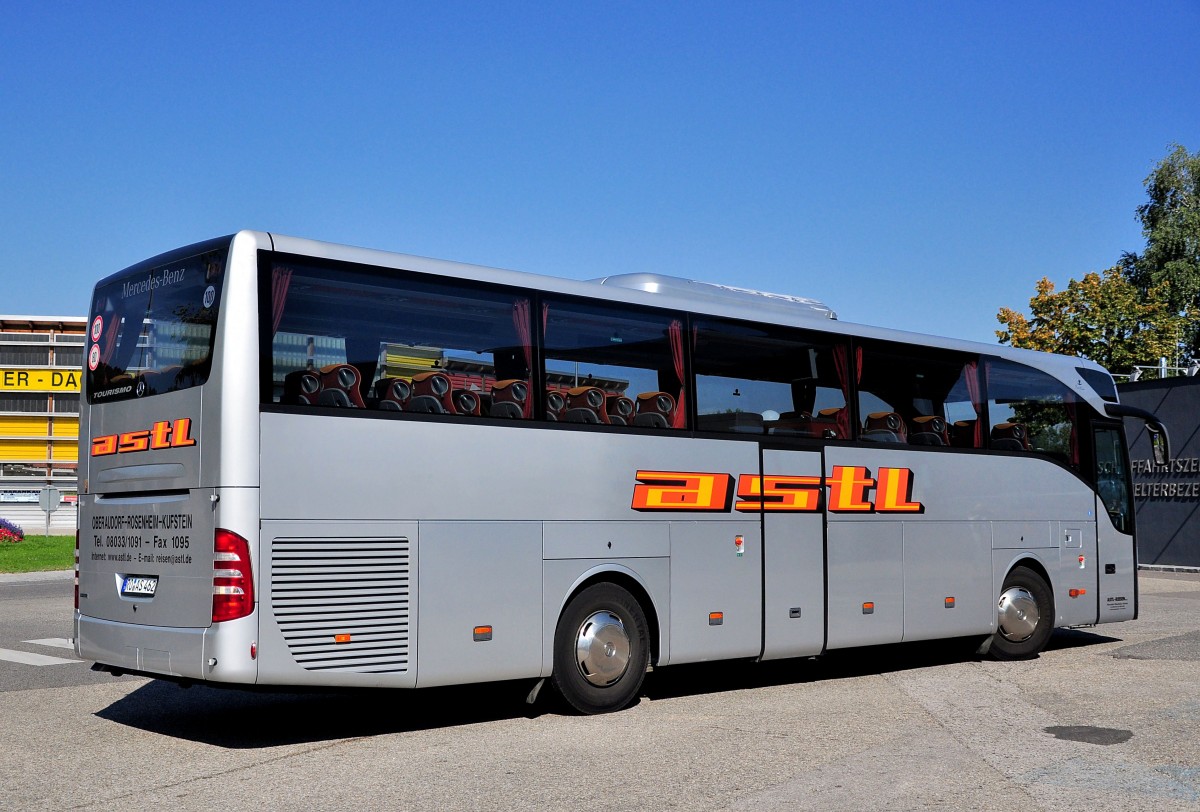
704	298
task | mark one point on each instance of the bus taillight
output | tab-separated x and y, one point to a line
76	568
233	580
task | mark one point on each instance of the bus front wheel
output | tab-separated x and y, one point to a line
600	649
1024	616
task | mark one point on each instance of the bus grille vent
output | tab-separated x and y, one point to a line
343	604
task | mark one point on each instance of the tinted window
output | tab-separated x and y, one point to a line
1102	382
152	330
1031	411
1112	479
613	365
919	397
350	338
760	379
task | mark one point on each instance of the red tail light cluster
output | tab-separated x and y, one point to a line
233	580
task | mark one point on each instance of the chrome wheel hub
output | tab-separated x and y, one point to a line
602	648
1017	614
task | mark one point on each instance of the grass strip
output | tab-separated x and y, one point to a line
38	554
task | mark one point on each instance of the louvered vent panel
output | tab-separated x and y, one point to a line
325	588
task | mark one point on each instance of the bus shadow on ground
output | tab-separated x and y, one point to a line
241	719
690	680
1077	638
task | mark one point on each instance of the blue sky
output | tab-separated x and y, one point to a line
914	165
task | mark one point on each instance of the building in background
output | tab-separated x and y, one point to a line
41	363
1167	498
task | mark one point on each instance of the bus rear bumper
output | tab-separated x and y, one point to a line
171	653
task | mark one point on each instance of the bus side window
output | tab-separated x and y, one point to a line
760	379
920	397
610	365
392	342
1031	411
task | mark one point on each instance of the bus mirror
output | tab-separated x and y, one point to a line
1160	444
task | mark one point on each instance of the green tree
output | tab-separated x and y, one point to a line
1103	317
1171	225
1145	307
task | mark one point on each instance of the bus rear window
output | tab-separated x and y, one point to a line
151	330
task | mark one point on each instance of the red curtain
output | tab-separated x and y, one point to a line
1072	411
110	338
971	371
281	280
841	363
679	419
525	335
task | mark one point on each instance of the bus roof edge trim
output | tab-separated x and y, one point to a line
711	292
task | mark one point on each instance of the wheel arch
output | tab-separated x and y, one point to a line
1027	559
1026	615
632	583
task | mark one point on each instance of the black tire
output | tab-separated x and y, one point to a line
608	678
1019	634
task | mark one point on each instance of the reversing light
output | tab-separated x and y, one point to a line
233	579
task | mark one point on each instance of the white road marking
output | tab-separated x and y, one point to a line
25	658
56	642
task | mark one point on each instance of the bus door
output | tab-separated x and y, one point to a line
791	498
1116	560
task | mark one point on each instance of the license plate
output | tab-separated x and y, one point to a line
142	586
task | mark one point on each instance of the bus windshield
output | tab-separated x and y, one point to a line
151	330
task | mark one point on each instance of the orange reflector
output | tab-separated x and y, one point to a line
716	618
1075	593
341	638
949	603
482	634
869	608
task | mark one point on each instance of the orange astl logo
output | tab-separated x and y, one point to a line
851	489
162	434
678	490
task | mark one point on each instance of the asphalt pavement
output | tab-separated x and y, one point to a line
1105	719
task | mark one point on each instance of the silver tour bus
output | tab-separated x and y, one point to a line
309	464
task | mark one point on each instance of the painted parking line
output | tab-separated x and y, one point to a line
26	658
56	642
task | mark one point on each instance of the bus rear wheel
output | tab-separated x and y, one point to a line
1024	616
600	649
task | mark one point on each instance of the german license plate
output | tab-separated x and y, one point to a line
141	586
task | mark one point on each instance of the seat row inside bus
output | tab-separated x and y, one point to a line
434	392
878	427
